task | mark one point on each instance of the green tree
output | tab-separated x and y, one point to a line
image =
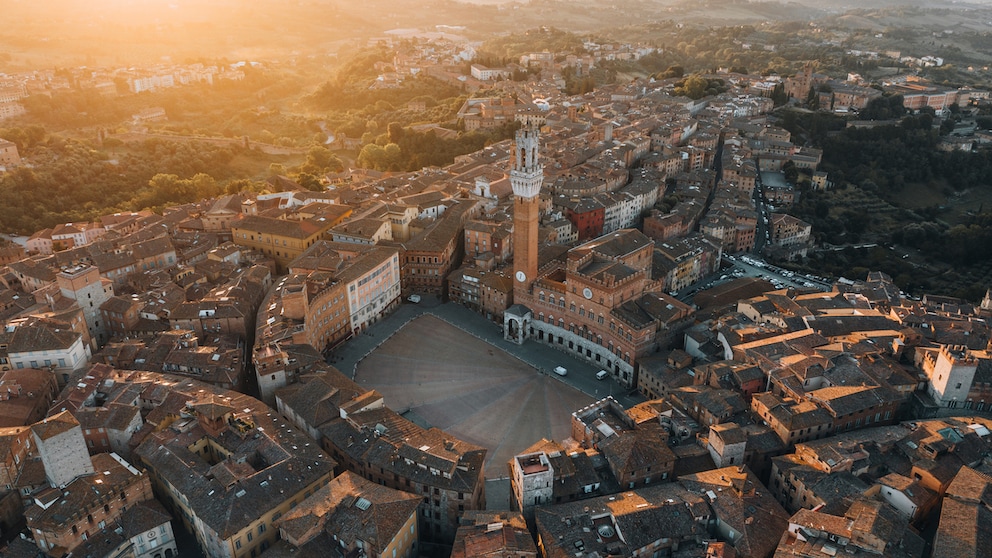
372	156
790	171
778	95
395	131
239	185
321	160
392	153
309	181
205	186
695	87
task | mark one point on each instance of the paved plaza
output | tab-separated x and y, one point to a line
508	430
464	385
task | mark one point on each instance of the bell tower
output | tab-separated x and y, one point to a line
526	177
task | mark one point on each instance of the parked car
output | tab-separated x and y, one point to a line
602	374
414	298
561	370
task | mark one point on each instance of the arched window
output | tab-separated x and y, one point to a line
541	296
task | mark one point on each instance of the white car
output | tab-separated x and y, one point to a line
414	298
561	370
602	374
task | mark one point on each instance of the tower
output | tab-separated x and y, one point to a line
62	448
526	177
532	481
84	284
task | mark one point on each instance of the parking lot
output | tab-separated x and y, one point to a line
751	266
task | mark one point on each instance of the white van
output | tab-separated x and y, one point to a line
560	370
602	374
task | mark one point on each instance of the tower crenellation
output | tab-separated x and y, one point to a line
527	173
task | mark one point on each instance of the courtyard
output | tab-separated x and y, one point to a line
441	376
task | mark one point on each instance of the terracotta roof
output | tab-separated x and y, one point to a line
644	516
274	460
742	502
964	530
55	425
111	477
353	509
496	534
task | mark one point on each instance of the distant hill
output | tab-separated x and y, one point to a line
120	32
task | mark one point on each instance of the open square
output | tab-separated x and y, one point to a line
473	390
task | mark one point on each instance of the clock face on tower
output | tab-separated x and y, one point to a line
587	292
521	276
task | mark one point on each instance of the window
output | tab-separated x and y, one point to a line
261	529
249	536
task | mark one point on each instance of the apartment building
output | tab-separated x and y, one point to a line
284	239
227	467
